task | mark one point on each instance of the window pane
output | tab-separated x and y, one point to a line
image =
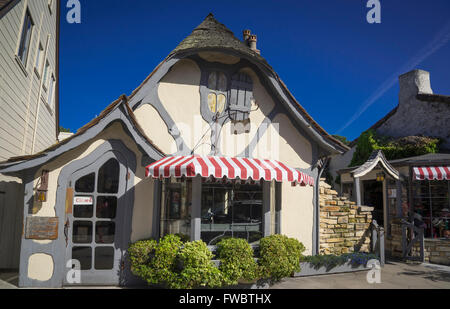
38	57
50	91
108	177
83	211
44	78
212	102
84	256
25	38
221	102
82	232
104	258
212	81
86	184
231	211
106	207
105	232
222	85
176	208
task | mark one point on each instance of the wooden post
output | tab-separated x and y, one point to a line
196	210
399	199
358	191
381	245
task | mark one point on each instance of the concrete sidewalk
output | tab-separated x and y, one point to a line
394	275
9	280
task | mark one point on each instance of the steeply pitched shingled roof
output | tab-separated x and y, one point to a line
211	34
3	3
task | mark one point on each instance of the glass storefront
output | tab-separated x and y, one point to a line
176	201
231	210
432	204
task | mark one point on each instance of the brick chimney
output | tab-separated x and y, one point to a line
413	83
251	41
246	34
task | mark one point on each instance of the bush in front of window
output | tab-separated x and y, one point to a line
196	268
174	264
140	254
236	261
280	256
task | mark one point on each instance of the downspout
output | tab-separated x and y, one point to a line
316	244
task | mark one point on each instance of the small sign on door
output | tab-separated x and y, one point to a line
83	200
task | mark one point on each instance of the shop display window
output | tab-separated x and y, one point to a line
231	210
432	207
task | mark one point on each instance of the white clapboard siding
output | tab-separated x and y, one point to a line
25	121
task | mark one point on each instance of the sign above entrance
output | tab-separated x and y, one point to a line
83	200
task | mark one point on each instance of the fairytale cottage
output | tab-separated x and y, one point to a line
212	144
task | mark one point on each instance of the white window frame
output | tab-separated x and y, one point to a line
39	59
23	63
50	6
46	74
51	91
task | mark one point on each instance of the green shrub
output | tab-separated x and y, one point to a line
140	254
196	267
174	264
393	149
183	237
236	260
280	256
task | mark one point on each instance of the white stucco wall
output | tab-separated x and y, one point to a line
39	266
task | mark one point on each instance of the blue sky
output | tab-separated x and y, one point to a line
331	59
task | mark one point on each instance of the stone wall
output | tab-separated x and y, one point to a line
344	227
436	251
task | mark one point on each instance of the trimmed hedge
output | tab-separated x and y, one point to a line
280	256
175	264
236	260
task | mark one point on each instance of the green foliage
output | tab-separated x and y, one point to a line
392	149
172	264
332	261
140	254
280	256
236	260
196	268
183	237
177	265
61	129
342	139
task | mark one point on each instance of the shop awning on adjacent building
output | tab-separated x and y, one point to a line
431	173
229	168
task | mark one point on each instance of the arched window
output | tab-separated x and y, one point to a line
217	97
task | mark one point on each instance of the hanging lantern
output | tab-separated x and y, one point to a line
380	177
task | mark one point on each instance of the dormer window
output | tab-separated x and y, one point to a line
217	97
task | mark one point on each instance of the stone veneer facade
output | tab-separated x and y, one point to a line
436	251
344	227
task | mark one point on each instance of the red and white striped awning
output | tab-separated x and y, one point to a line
432	173
231	168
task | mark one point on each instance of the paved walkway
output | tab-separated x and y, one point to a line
8	280
394	275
